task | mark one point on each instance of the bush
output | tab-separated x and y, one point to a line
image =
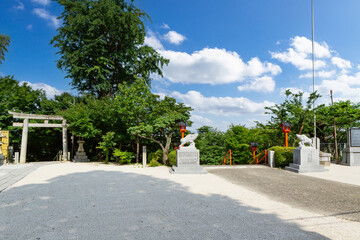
124	157
154	163
283	156
172	158
155	156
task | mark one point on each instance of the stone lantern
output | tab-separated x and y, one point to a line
286	129
182	126
254	146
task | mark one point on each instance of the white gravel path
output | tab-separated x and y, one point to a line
95	201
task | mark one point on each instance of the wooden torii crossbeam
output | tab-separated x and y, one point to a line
25	127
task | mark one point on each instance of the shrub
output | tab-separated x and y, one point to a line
154	163
155	156
172	158
124	157
283	155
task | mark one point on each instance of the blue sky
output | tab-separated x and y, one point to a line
228	59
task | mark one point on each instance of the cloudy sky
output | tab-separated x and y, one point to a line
228	59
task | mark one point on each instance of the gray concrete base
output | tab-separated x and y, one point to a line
80	156
188	161
351	156
188	170
306	159
293	167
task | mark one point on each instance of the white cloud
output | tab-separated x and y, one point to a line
299	54
29	27
199	121
263	84
152	41
341	63
49	90
213	66
44	14
174	37
319	74
224	106
42	2
298	59
304	45
345	87
165	26
20	6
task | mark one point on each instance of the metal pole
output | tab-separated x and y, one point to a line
313	66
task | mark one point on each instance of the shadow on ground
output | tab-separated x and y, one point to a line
119	205
312	194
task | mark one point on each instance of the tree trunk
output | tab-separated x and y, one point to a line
137	149
166	148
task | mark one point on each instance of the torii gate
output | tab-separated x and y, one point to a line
25	125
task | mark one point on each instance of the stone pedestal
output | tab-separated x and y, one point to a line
188	161
305	159
80	155
324	158
351	156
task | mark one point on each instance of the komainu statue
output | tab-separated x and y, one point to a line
304	140
189	139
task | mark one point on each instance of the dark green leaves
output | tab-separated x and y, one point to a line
101	45
4	43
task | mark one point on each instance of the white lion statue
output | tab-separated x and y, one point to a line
189	139
303	140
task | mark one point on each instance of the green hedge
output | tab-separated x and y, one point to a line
172	158
283	156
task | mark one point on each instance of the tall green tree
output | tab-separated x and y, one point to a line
101	44
346	113
160	124
134	103
18	98
4	43
295	110
43	143
211	143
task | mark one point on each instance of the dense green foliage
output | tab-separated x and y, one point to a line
4	43
124	157
172	158
283	156
101	44
211	144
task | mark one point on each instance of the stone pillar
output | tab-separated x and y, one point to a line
64	140
24	139
271	158
144	156
16	158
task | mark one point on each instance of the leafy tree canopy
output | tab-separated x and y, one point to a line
101	44
4	42
148	116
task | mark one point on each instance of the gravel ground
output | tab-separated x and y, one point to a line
94	201
298	190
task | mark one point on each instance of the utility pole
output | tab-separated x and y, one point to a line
336	147
313	66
